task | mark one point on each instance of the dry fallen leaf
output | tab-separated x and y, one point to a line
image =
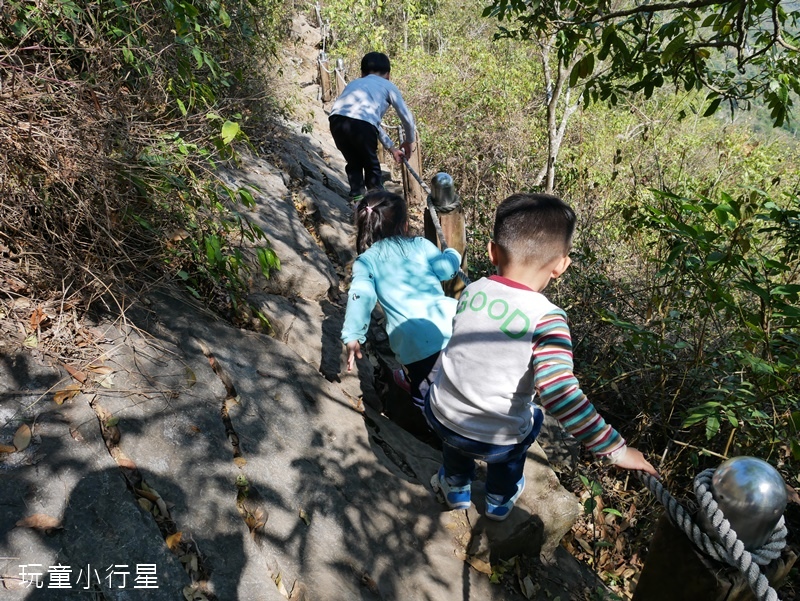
239	461
178	235
65	394
22	438
191	378
31	341
146	493
75	373
192	593
586	546
173	540
792	494
39	521
7	448
124	461
480	565
13	583
281	588
304	516
145	504
190	562
527	587
38	317
103	370
162	507
255	519
106	381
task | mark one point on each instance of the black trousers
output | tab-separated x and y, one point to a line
358	142
421	372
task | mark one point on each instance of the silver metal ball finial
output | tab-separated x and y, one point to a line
443	191
752	496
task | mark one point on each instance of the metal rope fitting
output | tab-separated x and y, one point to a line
443	193
725	545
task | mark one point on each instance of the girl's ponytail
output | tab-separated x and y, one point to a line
379	215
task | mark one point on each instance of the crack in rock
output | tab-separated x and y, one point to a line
151	502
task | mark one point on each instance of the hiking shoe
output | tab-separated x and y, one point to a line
399	377
500	512
456	497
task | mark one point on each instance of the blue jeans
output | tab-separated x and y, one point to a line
505	463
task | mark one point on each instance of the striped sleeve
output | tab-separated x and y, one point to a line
559	391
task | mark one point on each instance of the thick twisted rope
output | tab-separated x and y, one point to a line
435	217
729	549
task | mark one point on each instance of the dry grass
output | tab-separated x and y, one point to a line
62	198
93	186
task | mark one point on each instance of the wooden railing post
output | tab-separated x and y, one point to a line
751	496
451	218
324	76
415	195
340	80
675	569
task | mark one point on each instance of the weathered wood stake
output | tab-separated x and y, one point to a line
451	218
324	77
340	80
676	570
415	195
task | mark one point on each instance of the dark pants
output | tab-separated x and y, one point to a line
358	142
504	463
420	376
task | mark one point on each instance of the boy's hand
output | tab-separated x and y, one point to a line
353	352
634	460
407	148
397	154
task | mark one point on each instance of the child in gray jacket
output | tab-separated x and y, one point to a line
355	121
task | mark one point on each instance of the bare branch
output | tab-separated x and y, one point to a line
778	36
694	45
651	8
740	39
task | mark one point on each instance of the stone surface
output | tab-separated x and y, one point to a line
305	270
67	478
543	514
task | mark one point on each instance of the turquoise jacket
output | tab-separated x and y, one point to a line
404	275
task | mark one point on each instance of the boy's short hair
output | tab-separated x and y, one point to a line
375	62
534	229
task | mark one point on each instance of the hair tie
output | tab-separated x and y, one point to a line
369	209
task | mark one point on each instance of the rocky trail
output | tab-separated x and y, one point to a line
188	459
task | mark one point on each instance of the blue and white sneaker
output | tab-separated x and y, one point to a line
456	497
500	512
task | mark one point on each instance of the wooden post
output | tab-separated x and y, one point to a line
675	569
340	81
451	218
324	77
455	233
415	195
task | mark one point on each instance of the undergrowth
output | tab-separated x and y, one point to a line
113	117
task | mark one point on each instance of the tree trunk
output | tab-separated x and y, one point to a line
555	128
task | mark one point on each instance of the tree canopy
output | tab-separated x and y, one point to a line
737	50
